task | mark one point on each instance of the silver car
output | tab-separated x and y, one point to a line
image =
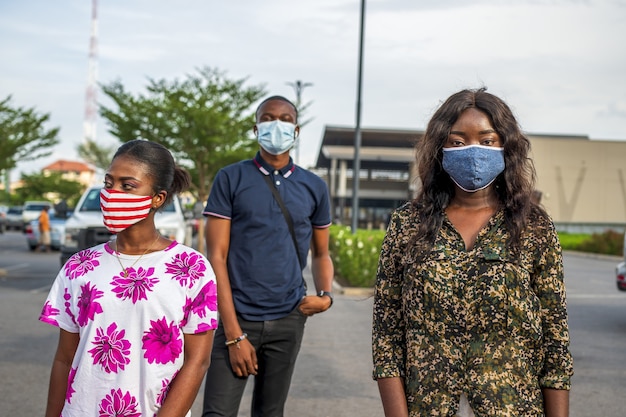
57	233
14	218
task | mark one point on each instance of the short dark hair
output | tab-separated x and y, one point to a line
160	166
280	98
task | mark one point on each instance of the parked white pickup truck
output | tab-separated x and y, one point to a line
32	210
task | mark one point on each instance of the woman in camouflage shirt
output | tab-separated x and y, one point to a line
469	312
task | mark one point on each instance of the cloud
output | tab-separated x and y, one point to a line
558	63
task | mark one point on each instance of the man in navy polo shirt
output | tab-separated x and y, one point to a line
262	298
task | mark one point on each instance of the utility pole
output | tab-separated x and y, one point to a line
356	164
298	86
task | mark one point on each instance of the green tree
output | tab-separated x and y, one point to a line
99	156
49	187
205	120
23	136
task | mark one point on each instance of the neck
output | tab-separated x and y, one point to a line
275	161
475	201
135	241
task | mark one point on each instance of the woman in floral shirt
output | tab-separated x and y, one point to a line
136	314
469	313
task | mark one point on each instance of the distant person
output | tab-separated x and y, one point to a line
44	230
60	209
259	261
136	314
469	309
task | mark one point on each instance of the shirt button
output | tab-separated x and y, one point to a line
277	182
276	172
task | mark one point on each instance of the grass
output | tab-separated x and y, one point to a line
572	241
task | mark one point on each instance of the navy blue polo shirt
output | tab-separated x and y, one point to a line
264	271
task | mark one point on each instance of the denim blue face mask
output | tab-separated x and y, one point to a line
473	167
276	137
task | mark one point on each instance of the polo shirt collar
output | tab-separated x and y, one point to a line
265	168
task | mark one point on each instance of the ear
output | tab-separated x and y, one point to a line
159	199
255	130
297	132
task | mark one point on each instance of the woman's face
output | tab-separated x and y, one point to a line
473	127
127	175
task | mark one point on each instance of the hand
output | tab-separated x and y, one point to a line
312	304
243	359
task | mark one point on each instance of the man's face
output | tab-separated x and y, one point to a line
276	110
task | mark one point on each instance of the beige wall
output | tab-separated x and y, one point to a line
582	180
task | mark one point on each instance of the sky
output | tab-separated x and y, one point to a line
559	64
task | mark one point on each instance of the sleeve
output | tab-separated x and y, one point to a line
57	309
321	215
219	203
388	335
549	287
201	306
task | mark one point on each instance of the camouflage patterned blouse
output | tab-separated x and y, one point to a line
477	322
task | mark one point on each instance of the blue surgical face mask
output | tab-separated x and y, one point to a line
473	167
276	137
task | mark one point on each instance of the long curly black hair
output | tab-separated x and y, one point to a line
514	186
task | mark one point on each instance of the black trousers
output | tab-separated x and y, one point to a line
277	343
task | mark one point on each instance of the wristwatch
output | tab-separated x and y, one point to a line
329	294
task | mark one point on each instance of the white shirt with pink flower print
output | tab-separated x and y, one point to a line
131	327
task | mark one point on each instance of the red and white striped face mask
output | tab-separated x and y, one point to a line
121	210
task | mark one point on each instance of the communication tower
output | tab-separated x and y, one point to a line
89	123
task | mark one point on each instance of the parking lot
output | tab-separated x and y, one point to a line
332	375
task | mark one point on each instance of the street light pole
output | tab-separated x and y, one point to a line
298	86
356	165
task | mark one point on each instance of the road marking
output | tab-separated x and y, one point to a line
15	267
45	288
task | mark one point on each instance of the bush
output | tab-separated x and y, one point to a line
607	243
355	256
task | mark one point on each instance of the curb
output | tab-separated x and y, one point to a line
616	258
358	291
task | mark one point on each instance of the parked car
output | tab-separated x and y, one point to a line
620	275
57	233
620	271
14	218
85	228
32	210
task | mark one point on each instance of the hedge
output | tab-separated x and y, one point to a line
355	256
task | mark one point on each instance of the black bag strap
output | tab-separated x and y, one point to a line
286	214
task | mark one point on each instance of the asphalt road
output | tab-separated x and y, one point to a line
332	376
